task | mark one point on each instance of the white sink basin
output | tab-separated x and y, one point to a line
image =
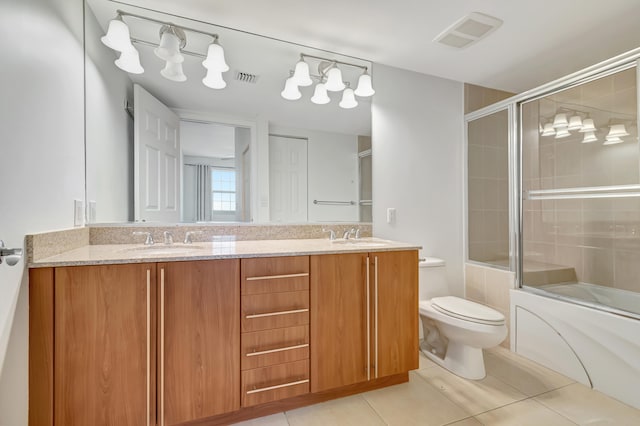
158	249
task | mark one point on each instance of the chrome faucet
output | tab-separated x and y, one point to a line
188	235
357	234
149	240
332	233
168	237
349	232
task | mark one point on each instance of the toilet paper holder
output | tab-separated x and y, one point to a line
10	255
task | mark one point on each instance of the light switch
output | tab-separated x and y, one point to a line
391	215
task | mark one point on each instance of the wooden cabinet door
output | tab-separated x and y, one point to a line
339	336
396	325
104	362
199	340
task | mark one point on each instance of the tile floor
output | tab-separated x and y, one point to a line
515	392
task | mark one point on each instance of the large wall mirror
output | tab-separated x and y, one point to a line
159	149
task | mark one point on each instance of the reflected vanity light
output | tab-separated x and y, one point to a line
562	132
575	123
170	48
587	126
590	137
560	120
330	79
548	130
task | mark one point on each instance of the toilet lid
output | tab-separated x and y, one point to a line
467	310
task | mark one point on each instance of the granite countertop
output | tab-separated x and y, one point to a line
139	253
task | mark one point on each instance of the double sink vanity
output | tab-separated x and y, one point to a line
216	332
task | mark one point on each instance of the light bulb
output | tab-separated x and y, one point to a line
129	61
320	95
364	85
215	58
301	74
118	37
348	99
334	80
214	80
291	91
173	71
169	48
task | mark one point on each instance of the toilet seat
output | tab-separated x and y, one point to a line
467	310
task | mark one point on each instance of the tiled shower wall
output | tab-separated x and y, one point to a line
599	238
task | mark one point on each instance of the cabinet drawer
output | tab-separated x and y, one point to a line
281	381
274	310
278	346
274	274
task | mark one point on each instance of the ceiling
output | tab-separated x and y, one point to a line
539	41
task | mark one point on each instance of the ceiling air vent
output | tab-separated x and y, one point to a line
246	77
468	30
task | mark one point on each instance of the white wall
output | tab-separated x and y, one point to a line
41	159
417	138
332	173
109	130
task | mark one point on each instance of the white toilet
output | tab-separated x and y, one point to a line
455	330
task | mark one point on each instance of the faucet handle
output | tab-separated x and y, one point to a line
188	235
168	237
149	240
357	234
332	233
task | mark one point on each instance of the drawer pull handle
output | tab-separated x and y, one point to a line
275	277
288	348
272	314
299	382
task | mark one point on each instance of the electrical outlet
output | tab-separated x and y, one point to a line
78	213
92	211
391	215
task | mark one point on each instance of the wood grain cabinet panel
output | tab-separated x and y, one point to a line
104	356
261	385
274	310
199	342
274	274
277	346
339	338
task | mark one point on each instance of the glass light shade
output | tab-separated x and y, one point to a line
214	80
560	120
173	71
117	37
348	99
301	74
320	95
169	49
129	61
548	130
334	80
291	91
364	88
587	126
215	58
589	137
612	140
562	132
575	123
617	130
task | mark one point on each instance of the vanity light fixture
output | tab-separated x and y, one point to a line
587	126
548	130
170	48
329	79
575	123
590	137
562	132
560	120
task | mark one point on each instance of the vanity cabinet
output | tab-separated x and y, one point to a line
364	321
198	340
104	345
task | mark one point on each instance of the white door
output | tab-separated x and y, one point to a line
288	179
156	158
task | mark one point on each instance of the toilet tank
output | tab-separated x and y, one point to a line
432	278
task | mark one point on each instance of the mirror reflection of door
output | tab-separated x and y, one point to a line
288	179
156	153
217	168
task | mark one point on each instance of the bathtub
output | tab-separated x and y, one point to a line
565	327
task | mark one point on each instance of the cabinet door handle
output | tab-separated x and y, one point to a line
161	346
270	351
375	322
275	277
368	321
284	385
148	347
272	314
